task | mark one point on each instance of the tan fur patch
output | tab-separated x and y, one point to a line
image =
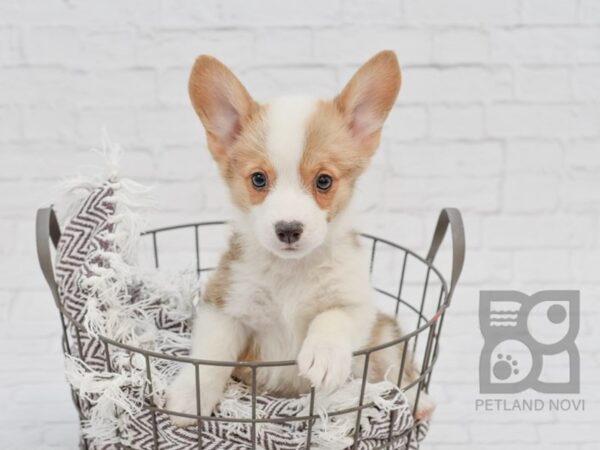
217	287
249	354
343	134
330	149
355	239
384	328
221	101
369	96
235	128
246	156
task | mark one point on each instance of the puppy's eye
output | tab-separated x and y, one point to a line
259	180
324	182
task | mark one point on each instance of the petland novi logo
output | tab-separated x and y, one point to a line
529	343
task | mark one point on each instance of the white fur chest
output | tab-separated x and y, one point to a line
277	299
272	299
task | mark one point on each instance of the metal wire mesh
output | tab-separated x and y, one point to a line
409	287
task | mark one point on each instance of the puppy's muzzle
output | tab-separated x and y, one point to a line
288	232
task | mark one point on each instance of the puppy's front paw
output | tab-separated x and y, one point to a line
425	408
325	362
426	405
181	396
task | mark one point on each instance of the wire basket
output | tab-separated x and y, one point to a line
408	286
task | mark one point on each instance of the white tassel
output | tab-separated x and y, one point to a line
108	394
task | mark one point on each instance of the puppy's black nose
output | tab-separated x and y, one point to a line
288	232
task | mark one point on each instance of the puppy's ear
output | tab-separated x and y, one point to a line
221	102
368	98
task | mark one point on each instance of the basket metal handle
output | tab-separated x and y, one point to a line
453	217
46	230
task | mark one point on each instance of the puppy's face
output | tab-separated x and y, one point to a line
291	164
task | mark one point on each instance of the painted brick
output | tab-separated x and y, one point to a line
10	124
456	46
9	46
543	84
582	194
545	45
356	44
179	48
531	120
463	11
539	231
47	124
589	11
189	13
274	12
59	46
475	159
266	83
534	156
457	85
500	433
583	156
407	123
283	46
118	88
498	115
542	266
530	193
457	122
377	11
541	12
586	83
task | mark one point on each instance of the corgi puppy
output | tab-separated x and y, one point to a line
294	283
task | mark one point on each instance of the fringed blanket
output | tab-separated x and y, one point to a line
102	288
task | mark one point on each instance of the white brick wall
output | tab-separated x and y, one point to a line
499	115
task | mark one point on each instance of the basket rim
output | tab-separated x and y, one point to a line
253	365
48	230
